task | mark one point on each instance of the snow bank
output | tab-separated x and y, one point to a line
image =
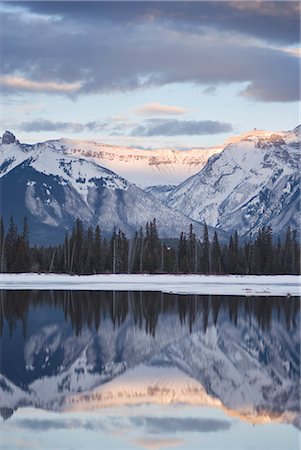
249	285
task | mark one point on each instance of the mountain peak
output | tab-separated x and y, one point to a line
9	138
297	130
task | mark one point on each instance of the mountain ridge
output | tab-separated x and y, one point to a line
54	189
252	183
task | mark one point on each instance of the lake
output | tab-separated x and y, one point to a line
149	370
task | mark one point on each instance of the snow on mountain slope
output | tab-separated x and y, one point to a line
53	189
254	182
160	191
142	167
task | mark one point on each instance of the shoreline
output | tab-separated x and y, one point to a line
232	285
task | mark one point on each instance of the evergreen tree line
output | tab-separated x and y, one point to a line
86	251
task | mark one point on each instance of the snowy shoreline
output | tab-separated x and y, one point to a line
248	285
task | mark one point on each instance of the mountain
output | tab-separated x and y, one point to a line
161	191
253	182
141	167
53	188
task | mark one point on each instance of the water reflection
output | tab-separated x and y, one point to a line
89	308
71	351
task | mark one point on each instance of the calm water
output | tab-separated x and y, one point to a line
130	370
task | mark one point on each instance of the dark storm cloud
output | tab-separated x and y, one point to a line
276	21
105	55
47	125
167	425
157	127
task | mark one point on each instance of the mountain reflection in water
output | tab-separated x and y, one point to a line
72	350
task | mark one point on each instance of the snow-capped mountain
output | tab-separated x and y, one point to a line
160	191
243	368
53	188
253	182
142	167
138	166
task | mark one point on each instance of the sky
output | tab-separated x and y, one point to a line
149	74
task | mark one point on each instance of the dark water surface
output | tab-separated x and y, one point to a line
148	370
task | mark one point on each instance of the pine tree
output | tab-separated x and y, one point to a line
2	247
206	251
193	249
183	255
288	252
216	256
98	252
11	245
295	254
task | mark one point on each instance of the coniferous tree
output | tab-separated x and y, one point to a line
193	250
231	256
206	251
216	256
11	245
88	252
2	247
295	254
183	255
84	251
288	252
98	251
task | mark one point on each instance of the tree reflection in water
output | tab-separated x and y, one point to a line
89	308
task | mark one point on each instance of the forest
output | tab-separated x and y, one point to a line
86	251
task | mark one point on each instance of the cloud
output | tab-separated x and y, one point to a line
210	90
170	127
48	125
276	21
101	48
270	89
166	425
20	83
295	51
152	127
150	443
152	109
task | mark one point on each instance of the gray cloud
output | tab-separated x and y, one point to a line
276	21
171	425
151	127
157	127
97	53
48	125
